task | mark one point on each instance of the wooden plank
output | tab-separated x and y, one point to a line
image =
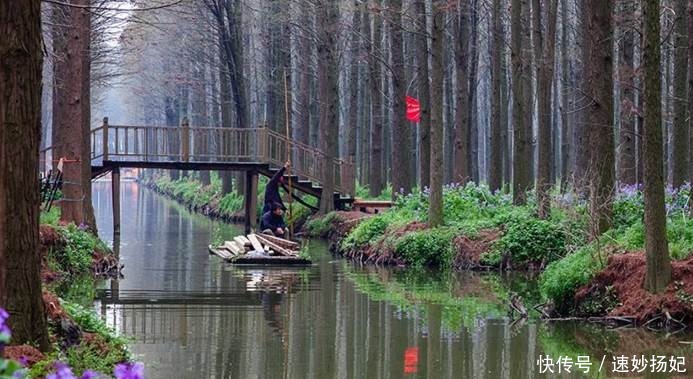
254	241
241	240
234	247
220	252
274	246
291	245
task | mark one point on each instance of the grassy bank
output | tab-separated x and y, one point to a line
210	201
74	264
484	230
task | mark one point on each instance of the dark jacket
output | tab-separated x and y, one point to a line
272	191
271	221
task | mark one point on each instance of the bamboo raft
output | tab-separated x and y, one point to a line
259	249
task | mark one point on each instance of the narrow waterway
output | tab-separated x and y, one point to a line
191	316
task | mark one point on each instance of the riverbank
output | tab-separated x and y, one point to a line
211	202
485	231
74	263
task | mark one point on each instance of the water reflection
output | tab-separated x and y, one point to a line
192	316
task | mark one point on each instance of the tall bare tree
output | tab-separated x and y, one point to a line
435	209
680	135
599	85
72	109
545	46
328	88
461	154
377	89
20	133
422	55
495	169
522	130
626	73
658	273
402	177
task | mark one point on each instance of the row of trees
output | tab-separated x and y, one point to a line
516	93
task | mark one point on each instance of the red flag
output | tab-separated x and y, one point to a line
413	109
411	360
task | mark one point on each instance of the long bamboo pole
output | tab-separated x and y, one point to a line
288	155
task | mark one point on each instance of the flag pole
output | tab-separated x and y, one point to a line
288	153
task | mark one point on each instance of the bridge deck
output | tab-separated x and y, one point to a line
211	148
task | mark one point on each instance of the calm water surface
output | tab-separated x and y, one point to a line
191	316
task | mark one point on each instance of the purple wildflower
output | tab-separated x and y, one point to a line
129	371
89	374
23	361
5	332
62	371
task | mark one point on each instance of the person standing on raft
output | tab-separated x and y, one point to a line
272	190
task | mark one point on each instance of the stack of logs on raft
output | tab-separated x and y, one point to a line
258	248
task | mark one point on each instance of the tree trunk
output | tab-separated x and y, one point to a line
679	172
495	171
71	128
401	149
328	84
522	149
627	164
349	179
690	98
461	151
225	100
376	161
424	94
199	117
658	273
20	133
473	135
598	76
545	78
435	209
566	129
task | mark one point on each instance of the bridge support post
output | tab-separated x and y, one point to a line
115	193
185	139
250	199
105	138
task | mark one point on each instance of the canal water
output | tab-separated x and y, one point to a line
189	315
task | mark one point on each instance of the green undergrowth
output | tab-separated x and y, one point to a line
100	352
320	226
559	243
70	252
469	210
73	255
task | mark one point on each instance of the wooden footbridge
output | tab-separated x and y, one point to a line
255	151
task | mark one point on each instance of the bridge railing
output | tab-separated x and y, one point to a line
211	144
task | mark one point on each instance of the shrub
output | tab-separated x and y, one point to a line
366	232
320	226
628	211
529	240
562	278
230	203
430	247
51	217
87	356
76	256
90	322
680	235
